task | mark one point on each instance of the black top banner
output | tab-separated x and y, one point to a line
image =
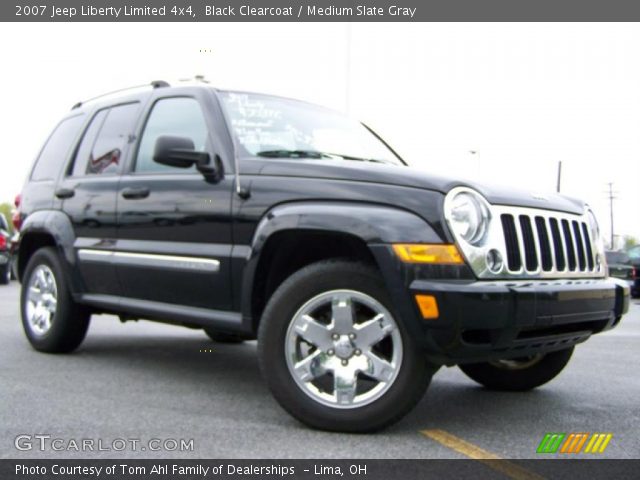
319	11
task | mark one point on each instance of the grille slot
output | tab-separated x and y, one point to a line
514	260
587	242
547	244
568	242
530	254
561	262
578	236
545	247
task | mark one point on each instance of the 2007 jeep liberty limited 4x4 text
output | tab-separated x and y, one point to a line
254	216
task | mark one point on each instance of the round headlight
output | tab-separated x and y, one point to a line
468	217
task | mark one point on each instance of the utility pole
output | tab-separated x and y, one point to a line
611	198
559	176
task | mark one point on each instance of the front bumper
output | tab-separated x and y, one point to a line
486	320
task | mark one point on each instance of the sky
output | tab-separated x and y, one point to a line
522	96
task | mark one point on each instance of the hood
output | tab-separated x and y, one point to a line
356	171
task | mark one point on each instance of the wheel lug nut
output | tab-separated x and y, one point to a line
330	351
352	336
335	336
345	362
358	352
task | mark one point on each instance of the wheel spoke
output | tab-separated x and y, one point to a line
342	314
310	367
372	331
378	368
53	304
34	295
42	279
313	332
345	383
46	320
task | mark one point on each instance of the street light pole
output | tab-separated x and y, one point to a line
611	198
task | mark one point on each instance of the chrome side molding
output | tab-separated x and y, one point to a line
149	260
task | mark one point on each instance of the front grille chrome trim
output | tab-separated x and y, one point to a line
578	250
567	255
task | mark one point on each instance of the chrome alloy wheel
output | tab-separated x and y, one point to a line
518	363
343	349
41	301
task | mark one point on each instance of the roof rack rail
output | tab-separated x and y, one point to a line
154	84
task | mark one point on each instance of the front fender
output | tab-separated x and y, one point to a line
370	223
375	225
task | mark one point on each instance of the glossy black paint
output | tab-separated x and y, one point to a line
485	320
231	218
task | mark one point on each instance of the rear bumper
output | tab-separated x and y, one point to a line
480	321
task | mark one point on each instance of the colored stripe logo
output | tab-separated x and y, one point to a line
574	442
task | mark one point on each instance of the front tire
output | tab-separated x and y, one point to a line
518	375
334	353
52	321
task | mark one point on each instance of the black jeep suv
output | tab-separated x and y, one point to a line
253	216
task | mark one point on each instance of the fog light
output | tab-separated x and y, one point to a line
494	261
428	306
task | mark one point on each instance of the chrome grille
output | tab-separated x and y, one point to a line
547	242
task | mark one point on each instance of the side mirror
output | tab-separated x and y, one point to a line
179	152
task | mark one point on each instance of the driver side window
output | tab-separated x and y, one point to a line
179	117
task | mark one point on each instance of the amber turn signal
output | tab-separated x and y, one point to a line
428	306
427	253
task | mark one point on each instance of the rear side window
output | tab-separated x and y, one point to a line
179	117
56	151
103	143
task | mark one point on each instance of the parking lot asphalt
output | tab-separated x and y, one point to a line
142	381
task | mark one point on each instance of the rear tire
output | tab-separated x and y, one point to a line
221	337
5	274
52	321
518	375
320	363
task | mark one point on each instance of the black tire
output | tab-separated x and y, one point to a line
14	269
522	378
5	274
221	337
70	321
408	387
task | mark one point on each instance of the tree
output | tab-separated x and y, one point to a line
629	241
6	209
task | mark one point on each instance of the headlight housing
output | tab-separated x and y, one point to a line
468	215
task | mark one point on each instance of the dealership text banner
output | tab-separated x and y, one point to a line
317	10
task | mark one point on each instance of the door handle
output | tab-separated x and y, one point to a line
63	193
135	193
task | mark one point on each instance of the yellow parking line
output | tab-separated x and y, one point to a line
474	452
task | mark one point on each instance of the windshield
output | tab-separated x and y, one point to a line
274	127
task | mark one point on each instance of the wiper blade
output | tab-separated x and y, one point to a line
292	154
313	154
